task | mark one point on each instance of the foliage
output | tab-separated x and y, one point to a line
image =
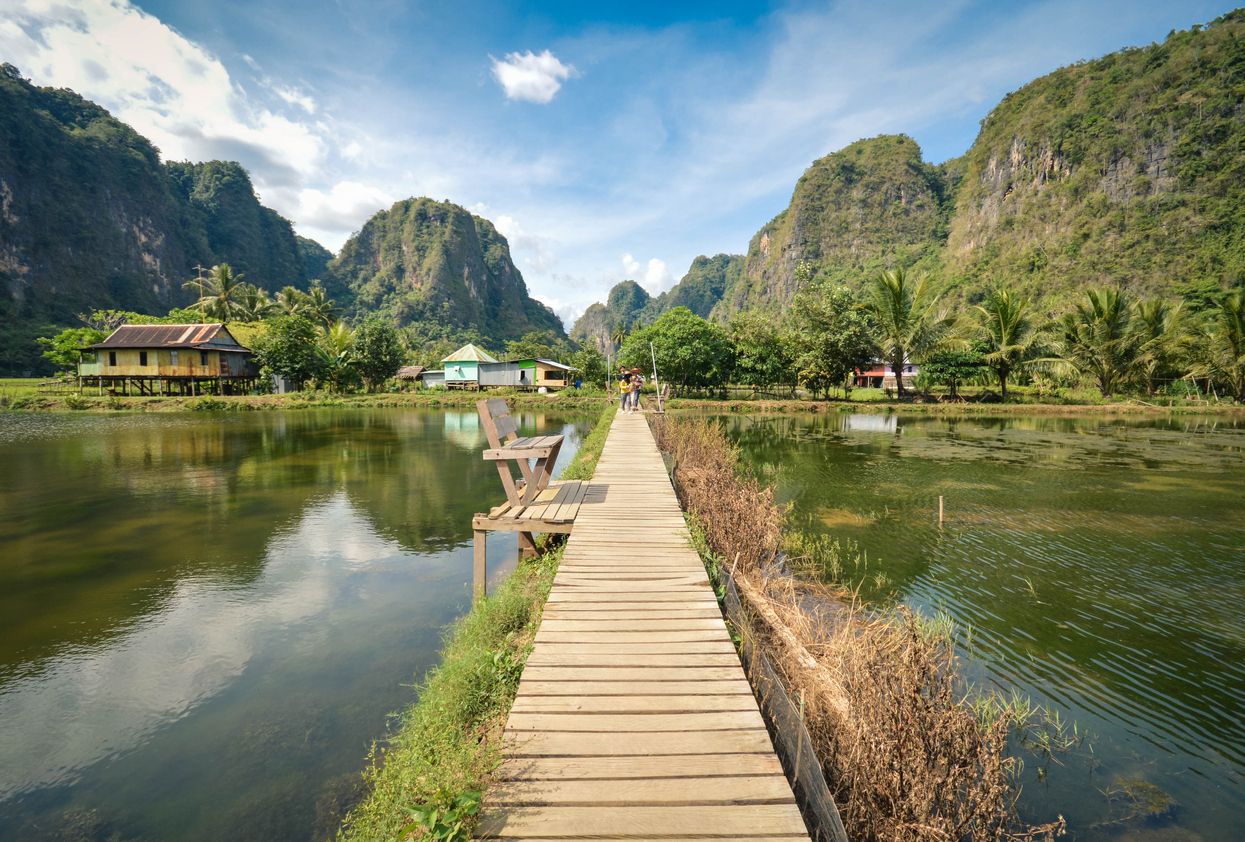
337	345
218	294
378	352
953	368
253	304
1098	339
908	325
689	350
319	307
1160	333
288	349
591	365
1218	349
62	349
539	344
764	356
833	335
1005	334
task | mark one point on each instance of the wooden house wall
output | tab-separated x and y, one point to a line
160	363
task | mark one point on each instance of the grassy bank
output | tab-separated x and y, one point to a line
1131	407
909	753
425	780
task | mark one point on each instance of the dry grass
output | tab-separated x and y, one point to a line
905	756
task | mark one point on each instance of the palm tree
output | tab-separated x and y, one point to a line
907	322
319	307
291	301
1006	334
1158	325
218	292
618	335
1219	349
337	349
253	304
1098	339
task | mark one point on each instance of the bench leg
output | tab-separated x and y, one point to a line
527	546
479	567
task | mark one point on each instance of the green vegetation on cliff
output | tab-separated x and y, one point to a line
436	265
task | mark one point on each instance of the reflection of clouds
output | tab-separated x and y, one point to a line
90	704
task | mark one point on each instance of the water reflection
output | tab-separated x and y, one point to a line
1095	564
205	620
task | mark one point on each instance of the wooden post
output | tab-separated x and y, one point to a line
479	567
527	546
940	510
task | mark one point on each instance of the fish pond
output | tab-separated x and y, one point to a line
205	620
1096	566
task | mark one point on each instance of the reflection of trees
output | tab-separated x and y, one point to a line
100	527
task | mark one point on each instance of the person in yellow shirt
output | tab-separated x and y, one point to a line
624	389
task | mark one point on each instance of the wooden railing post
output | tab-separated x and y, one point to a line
479	567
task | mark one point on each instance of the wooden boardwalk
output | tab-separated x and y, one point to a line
633	718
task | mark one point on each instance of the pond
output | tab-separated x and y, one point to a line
1096	565
206	619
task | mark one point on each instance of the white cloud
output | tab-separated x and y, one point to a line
295	97
170	89
531	77
654	276
352	151
344	206
533	252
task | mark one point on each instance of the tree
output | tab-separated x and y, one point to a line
1159	331
317	305
832	334
292	301
763	355
337	346
908	325
378	352
1218	350
592	365
218	292
953	368
689	350
1005	334
252	304
538	344
1097	339
62	349
289	349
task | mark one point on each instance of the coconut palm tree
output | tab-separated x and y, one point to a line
337	349
253	304
908	323
319	307
218	292
292	301
1097	339
1159	327
1006	334
1219	348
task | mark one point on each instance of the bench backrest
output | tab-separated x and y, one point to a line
499	424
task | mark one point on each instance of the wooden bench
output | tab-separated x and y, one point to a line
533	504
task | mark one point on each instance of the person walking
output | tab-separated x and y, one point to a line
637	383
624	390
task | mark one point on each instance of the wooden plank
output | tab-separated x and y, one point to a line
542	673
645	822
536	687
633	704
615	768
650	647
541	658
629	625
742	789
631	743
618	723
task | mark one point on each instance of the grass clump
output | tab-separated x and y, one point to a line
426	780
906	757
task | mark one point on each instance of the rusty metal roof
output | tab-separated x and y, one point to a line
165	336
410	372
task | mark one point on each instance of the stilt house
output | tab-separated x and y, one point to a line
168	359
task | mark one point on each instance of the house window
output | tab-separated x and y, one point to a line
142	358
173	357
203	358
112	358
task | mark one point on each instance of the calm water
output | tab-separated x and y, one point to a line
204	621
1098	566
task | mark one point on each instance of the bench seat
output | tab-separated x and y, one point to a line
527	447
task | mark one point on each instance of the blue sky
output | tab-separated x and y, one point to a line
606	140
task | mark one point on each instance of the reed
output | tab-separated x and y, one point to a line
906	754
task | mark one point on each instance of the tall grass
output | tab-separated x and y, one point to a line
425	781
905	756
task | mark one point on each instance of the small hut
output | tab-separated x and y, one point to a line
409	376
168	359
462	368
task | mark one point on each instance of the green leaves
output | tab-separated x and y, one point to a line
689	350
447	823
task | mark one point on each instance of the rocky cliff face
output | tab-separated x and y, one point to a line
436	264
90	217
